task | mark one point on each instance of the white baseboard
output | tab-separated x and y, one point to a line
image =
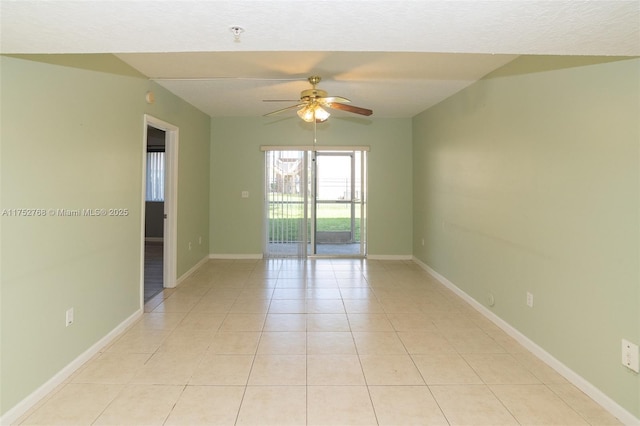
389	257
235	256
580	382
221	256
192	270
23	406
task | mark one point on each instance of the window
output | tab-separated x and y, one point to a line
155	176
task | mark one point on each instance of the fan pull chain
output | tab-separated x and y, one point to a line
315	124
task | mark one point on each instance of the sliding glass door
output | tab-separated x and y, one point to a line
315	203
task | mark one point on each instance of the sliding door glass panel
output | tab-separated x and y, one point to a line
335	220
286	224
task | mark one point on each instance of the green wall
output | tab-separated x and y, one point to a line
72	138
529	180
193	175
237	164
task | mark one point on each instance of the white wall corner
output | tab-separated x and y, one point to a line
580	382
191	270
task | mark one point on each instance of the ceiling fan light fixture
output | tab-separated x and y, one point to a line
321	114
313	112
306	113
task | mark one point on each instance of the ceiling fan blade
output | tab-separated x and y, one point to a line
350	108
327	100
281	100
283	110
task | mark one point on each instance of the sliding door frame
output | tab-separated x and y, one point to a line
309	194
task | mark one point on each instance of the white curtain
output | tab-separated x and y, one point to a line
155	176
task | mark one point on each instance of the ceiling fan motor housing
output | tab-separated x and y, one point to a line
313	94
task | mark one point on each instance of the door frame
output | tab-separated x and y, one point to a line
169	261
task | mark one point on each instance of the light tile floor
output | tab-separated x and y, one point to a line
316	342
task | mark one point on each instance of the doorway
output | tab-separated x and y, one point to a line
159	207
154	213
315	203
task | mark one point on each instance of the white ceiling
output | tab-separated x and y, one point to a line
395	57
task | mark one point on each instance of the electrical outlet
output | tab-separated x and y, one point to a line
491	299
189	245
630	355
529	300
245	194
69	317
200	240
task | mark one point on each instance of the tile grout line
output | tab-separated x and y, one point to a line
244	393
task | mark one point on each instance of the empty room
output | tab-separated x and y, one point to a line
381	212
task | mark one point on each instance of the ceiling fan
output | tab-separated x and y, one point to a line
313	102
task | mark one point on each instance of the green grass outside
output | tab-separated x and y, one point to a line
285	214
290	228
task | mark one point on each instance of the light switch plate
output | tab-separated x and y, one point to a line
69	317
630	355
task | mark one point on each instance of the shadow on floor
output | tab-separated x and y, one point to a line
152	269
